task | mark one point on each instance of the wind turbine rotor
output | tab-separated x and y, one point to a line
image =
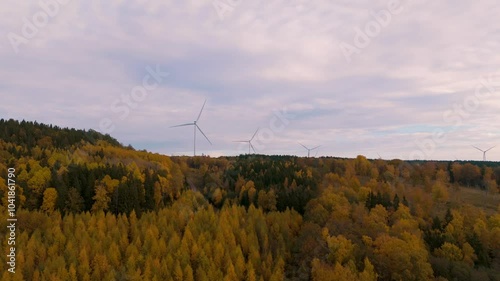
478	148
304	146
182	125
195	127
254	134
484	151
253	148
203	133
199	115
250	145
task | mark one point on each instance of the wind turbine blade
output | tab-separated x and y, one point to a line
478	148
199	115
252	147
304	146
315	147
203	134
254	134
489	148
182	125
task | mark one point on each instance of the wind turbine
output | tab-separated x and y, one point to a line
484	151
316	154
309	149
195	126
250	142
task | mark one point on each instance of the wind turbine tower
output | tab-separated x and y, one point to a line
250	142
484	151
309	149
195	127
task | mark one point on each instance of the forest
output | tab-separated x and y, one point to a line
90	208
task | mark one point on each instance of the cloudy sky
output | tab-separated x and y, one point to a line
399	79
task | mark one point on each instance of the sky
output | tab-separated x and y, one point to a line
381	78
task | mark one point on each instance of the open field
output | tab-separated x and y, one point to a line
489	202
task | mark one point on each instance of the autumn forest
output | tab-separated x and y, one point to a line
90	208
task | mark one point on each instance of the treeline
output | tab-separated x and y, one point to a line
94	177
31	134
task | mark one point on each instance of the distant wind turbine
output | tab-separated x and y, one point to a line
195	126
484	151
309	149
316	154
250	142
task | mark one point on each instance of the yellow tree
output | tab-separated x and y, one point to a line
158	196
442	176
362	166
278	271
239	265
454	231
368	274
469	254
439	192
110	183
402	259
100	266
39	180
251	194
83	265
230	274
101	199
449	252
403	222
178	274
49	200
250	276
188	273
217	197
376	221
341	249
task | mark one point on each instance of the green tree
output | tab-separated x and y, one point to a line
75	202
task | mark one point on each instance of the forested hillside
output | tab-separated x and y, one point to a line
90	208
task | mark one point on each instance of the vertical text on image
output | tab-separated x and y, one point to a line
11	219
